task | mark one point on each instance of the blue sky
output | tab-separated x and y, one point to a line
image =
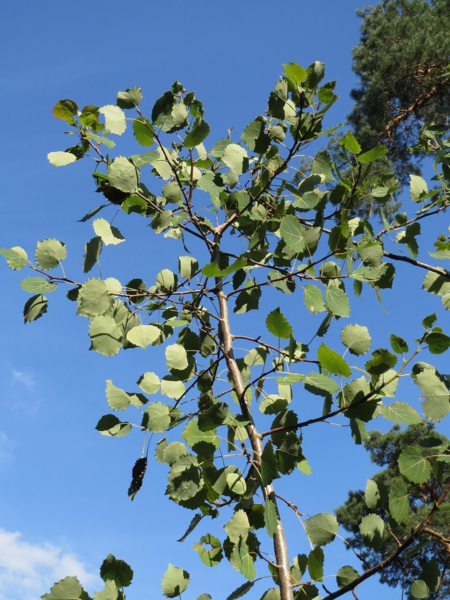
63	503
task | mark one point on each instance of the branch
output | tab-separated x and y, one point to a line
396	553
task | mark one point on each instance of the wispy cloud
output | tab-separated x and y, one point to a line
24	378
29	570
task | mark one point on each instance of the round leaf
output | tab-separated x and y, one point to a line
130	98
49	253
372	531
15	257
356	338
143	335
292	233
175	581
37	285
123	175
149	383
278	325
114	119
106	335
321	528
346	575
60	158
157	417
414	466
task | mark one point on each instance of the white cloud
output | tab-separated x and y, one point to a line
29	570
24	378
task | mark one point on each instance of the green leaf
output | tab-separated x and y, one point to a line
213	270
176	357
401	412
295	73
49	253
398	344
167	280
236	158
236	484
269	465
398	500
429	321
15	257
436	284
149	383
116	398
419	589
172	193
372	531
110	592
418	188
270	517
315	563
172	387
143	132
156	417
34	308
123	175
89	118
372	155
372	496
212	556
175	581
199	132
173	452
187	266
371	253
437	342
332	362
336	300
202	442
68	588
110	426
117	571
130	98
437	397
349	142
109	234
243	560
93	298
346	575
240	591
313	299
65	110
106	335
37	285
255	138
60	158
321	166
413	465
184	480
431	575
238	526
320	384
114	119
293	233
256	356
321	529
356	338
382	360
143	335
278	325
92	252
